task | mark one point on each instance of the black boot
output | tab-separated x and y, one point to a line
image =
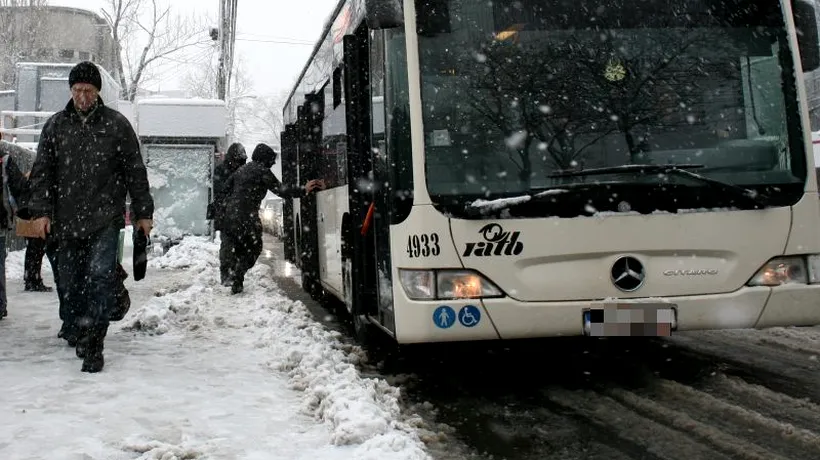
93	360
68	333
225	277
82	343
38	286
237	286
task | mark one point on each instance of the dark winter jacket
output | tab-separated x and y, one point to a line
84	169
14	186
248	187
234	159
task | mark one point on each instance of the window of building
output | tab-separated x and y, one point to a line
84	55
66	54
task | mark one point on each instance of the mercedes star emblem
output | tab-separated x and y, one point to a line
627	274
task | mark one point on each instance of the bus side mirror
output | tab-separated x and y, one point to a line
805	22
383	14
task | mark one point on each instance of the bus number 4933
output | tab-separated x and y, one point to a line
423	245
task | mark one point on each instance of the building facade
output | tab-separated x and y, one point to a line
52	34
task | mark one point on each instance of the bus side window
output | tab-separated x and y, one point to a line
397	108
377	116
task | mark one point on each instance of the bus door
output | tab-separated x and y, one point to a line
309	127
383	180
289	179
359	241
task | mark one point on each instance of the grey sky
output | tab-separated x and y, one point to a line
274	66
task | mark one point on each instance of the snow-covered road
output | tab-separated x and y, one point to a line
195	373
192	372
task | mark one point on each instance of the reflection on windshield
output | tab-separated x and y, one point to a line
515	91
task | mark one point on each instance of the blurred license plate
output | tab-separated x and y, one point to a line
630	320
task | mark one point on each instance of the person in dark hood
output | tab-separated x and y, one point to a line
234	159
246	189
88	160
11	189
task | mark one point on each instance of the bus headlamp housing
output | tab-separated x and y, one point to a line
447	284
788	270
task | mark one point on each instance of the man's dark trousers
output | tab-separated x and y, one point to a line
35	250
87	269
69	330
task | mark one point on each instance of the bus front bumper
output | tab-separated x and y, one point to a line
505	318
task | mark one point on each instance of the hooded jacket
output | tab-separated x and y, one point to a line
234	159
247	187
84	169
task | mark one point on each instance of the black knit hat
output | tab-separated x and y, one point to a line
85	72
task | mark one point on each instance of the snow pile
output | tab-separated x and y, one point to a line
178	309
195	253
15	263
363	413
152	450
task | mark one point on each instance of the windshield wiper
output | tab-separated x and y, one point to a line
538	194
673	169
752	196
640	168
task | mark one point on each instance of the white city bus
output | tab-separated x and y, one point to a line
536	168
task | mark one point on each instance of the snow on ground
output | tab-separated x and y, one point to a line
193	372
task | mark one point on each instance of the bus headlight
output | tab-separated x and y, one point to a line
813	264
783	270
447	285
418	284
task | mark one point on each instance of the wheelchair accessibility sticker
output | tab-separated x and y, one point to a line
444	317
469	316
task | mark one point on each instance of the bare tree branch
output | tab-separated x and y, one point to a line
147	32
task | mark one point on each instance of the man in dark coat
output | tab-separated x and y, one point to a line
234	159
88	159
247	188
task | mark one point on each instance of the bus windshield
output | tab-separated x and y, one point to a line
517	93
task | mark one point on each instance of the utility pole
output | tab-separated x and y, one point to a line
227	39
220	72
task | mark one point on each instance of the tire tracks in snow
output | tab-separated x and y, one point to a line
650	399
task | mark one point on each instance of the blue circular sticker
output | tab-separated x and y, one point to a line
469	316
444	317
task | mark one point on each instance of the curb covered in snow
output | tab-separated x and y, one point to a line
364	412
